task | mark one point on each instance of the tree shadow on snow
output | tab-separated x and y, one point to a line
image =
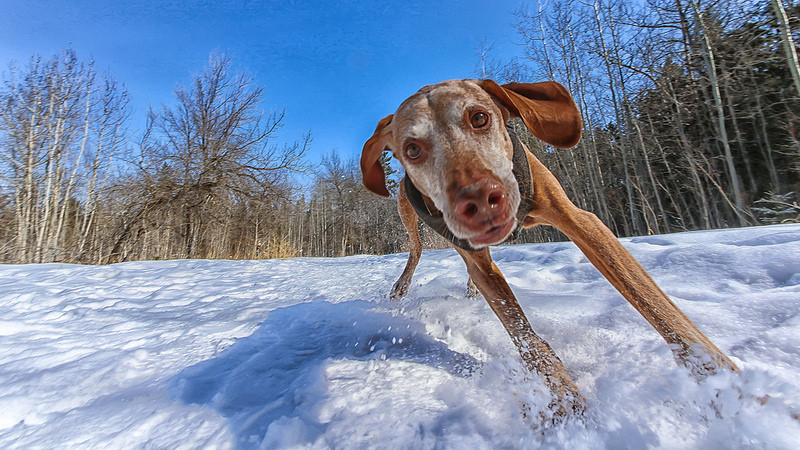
270	374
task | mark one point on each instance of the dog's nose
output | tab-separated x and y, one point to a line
480	204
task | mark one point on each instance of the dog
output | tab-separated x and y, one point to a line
474	182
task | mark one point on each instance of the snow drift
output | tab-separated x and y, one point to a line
311	353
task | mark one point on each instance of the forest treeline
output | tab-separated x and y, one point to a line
691	113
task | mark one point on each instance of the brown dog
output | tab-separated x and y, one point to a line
475	183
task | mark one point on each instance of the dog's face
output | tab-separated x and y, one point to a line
451	139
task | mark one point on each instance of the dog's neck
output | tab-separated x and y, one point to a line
434	218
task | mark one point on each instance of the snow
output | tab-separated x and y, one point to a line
311	353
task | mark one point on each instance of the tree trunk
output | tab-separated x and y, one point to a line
722	132
788	43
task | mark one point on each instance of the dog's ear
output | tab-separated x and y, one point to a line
371	170
547	109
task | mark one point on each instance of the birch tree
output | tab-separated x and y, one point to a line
46	121
789	47
722	131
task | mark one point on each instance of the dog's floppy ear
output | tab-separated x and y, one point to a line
371	170
547	109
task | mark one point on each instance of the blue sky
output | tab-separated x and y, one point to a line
335	67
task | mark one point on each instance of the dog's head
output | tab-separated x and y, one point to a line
451	139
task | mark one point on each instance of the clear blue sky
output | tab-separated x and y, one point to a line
336	67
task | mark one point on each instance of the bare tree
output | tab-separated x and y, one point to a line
206	154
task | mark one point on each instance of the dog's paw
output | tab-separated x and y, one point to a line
556	412
472	290
399	290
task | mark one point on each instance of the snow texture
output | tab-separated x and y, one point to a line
311	353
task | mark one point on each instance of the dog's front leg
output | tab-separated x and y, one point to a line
690	346
535	352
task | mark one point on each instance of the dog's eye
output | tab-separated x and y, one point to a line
479	120
413	151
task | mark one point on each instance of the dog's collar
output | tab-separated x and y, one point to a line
435	219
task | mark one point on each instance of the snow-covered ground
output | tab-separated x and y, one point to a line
311	353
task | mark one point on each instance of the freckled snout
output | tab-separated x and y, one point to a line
481	206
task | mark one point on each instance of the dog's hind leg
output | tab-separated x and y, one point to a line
409	218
